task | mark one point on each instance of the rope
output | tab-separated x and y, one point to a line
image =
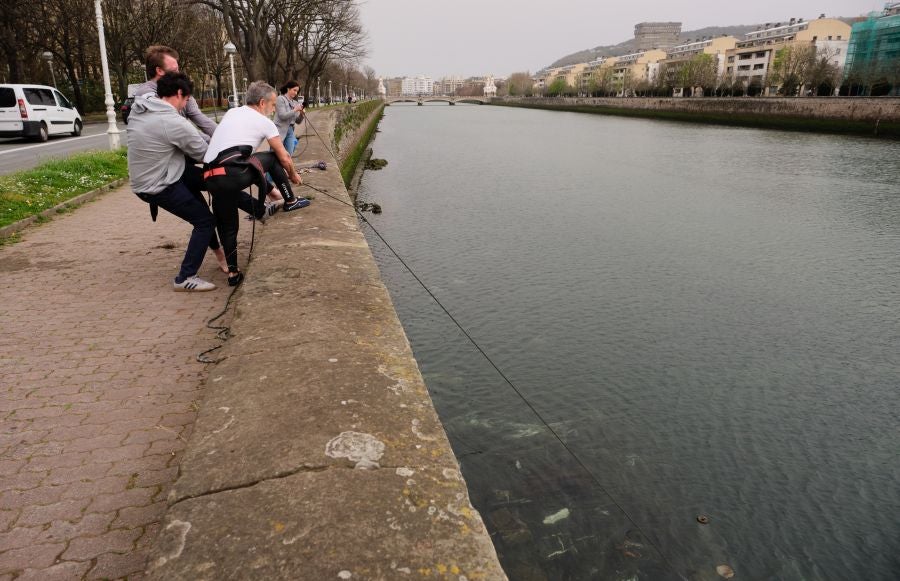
223	332
518	392
508	381
487	358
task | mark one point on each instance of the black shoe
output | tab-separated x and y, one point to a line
235	278
295	204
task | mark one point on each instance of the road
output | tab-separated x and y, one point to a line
18	154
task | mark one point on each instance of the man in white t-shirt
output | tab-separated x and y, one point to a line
231	166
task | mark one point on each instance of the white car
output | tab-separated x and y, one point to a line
36	111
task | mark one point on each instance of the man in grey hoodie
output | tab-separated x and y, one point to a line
159	138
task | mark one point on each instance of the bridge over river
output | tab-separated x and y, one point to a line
451	99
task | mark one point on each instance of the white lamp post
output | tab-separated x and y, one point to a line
230	49
112	130
48	56
318	93
329	92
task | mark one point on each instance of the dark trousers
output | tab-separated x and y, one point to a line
193	179
270	163
228	195
177	199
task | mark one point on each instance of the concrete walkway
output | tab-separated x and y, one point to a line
99	387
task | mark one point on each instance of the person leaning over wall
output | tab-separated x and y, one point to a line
159	60
232	166
159	139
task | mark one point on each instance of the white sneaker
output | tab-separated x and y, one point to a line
193	284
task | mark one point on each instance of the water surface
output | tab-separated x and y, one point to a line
708	318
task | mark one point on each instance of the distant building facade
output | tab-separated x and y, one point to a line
635	69
873	55
448	85
680	55
420	85
394	86
490	89
750	62
656	35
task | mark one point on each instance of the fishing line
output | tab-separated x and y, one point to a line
509	382
487	358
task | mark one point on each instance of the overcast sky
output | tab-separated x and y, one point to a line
477	37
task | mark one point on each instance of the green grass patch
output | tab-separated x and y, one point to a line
349	166
30	192
886	130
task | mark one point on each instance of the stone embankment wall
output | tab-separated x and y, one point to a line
350	130
317	452
859	115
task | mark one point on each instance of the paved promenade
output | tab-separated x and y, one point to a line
99	387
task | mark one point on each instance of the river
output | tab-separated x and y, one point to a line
689	323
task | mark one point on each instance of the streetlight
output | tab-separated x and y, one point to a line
230	49
318	93
48	56
329	92
112	130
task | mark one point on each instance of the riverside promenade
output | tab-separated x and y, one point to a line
311	451
99	388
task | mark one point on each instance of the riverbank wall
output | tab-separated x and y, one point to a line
875	116
317	452
353	130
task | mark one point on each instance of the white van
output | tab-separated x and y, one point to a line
36	111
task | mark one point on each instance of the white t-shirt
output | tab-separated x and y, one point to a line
240	126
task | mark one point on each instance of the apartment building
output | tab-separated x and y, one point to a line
394	86
419	85
448	85
750	62
591	71
632	70
678	56
569	74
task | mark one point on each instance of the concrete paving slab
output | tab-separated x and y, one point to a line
339	523
317	452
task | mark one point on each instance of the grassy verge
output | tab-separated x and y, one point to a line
885	130
30	192
349	166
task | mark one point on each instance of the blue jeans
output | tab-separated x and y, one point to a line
290	141
177	199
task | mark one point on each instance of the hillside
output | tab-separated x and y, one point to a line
628	46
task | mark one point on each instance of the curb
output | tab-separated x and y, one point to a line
7	231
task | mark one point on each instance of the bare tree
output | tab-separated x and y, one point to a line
68	31
334	32
823	74
791	66
16	39
520	84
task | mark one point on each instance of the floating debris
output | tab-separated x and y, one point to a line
376	164
703	519
368	207
725	571
556	517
